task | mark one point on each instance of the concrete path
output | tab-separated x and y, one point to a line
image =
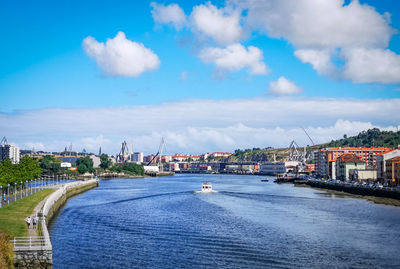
38	207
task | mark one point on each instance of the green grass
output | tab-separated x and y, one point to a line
12	216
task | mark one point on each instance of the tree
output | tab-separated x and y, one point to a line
50	164
27	169
84	164
105	162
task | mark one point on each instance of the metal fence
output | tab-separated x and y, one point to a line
30	243
16	191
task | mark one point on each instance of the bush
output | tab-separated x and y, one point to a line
6	251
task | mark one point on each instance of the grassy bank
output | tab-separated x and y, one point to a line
12	216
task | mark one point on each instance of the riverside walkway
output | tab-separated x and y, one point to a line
35	250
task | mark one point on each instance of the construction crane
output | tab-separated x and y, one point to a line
4	141
309	137
159	154
295	154
123	155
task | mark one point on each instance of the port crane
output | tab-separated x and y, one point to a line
4	141
159	155
123	155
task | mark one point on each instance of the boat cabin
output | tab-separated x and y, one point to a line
206	187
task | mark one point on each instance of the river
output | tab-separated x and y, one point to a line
162	223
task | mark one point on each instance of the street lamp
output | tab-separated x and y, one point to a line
8	193
21	189
15	191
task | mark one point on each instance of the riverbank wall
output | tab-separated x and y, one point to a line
358	190
41	255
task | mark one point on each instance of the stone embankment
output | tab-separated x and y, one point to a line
39	254
392	193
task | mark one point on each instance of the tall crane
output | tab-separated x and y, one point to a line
309	137
123	155
4	141
159	154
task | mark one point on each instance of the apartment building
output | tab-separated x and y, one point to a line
325	158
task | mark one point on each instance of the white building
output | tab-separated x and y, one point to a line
137	157
65	165
96	161
10	152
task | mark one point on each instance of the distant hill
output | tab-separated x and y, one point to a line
371	138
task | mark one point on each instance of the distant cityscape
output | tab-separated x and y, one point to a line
363	164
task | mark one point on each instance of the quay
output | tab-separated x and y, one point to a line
358	189
37	251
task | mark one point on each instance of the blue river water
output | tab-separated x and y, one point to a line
163	223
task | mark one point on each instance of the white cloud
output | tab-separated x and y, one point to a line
320	24
172	13
234	58
372	65
223	25
200	125
319	59
120	56
283	87
357	32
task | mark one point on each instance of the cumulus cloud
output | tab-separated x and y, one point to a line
283	87
120	56
172	14
234	58
320	24
319	59
372	65
223	25
318	28
223	125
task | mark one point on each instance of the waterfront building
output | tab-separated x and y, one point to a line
272	168
381	162
221	154
179	157
137	157
166	158
347	162
324	157
9	152
392	171
363	174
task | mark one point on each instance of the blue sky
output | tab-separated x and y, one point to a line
45	67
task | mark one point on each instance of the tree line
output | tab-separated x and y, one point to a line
27	169
370	138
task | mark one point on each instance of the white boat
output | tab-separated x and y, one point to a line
206	187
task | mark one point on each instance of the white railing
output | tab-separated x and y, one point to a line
30	243
43	242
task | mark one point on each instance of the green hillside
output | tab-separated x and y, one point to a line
371	138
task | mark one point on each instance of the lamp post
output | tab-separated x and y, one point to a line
21	189
1	201
15	191
8	193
